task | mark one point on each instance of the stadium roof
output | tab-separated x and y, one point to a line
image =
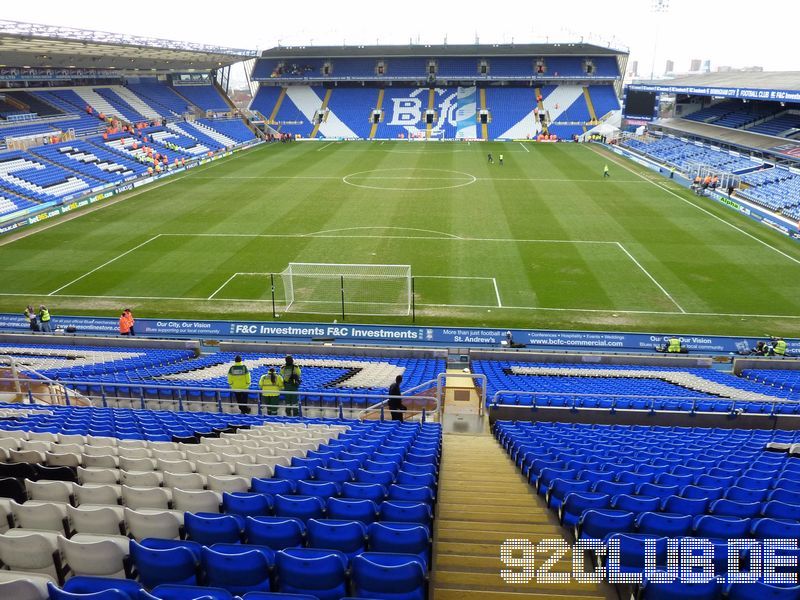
764	80
429	50
46	46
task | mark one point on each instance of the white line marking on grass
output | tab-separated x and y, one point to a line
219	289
334	177
698	207
450	236
324	231
497	293
325	146
653	279
524	148
108	262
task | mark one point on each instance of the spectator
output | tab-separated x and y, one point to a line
396	406
45	319
291	375
239	382
124	324
33	320
129	315
271	385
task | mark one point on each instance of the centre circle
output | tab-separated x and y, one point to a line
410	179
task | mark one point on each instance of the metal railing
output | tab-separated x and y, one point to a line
649	405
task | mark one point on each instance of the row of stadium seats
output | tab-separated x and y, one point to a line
763	118
418	68
510	109
683	154
777	189
632	484
254	529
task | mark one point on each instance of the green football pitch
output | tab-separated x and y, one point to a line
541	241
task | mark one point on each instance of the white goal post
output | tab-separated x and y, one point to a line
331	288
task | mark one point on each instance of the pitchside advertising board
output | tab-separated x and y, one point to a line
389	335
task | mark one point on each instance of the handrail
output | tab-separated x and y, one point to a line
38	378
379	406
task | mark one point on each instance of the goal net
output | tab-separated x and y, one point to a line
329	288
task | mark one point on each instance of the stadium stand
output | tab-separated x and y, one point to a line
205	97
160	97
683	154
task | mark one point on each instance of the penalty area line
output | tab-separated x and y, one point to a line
653	279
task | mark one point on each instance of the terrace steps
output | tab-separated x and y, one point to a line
378	106
483	501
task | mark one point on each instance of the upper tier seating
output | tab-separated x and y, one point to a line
784	125
207	97
682	154
660	388
162	97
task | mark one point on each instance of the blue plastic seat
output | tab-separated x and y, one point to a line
776	509
56	593
364	491
189	592
348	509
762	591
775	528
411	493
293	473
576	502
210	529
659	491
403	538
559	488
597	524
322	489
396	576
664	524
247	571
320	573
740	494
333	475
273	486
731	508
83	584
300	507
635	504
680	591
247	504
349	537
156	566
418	479
275	532
721	527
685	506
613	488
406	512
632	550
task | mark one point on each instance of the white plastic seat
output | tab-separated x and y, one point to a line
196	500
141	478
137	464
231	457
98	557
185	481
101	494
100	520
36	445
106	461
134	453
49	516
202	455
228	483
100	451
18	585
174	466
42	436
160	524
17	434
67	449
52	491
72	438
168	454
26	456
140	497
9	443
213	468
63	460
31	551
131	444
98	475
251	471
100	440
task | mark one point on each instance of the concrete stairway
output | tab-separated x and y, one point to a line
483	501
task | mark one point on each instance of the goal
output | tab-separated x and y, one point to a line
329	288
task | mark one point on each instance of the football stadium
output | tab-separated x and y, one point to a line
401	321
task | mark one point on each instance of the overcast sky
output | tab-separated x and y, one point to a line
728	32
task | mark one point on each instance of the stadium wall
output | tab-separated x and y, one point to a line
392	335
757	214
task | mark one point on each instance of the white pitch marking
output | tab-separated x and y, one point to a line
451	277
325	146
653	279
219	289
497	293
108	262
524	148
700	208
324	231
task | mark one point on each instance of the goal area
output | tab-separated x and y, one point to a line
330	288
